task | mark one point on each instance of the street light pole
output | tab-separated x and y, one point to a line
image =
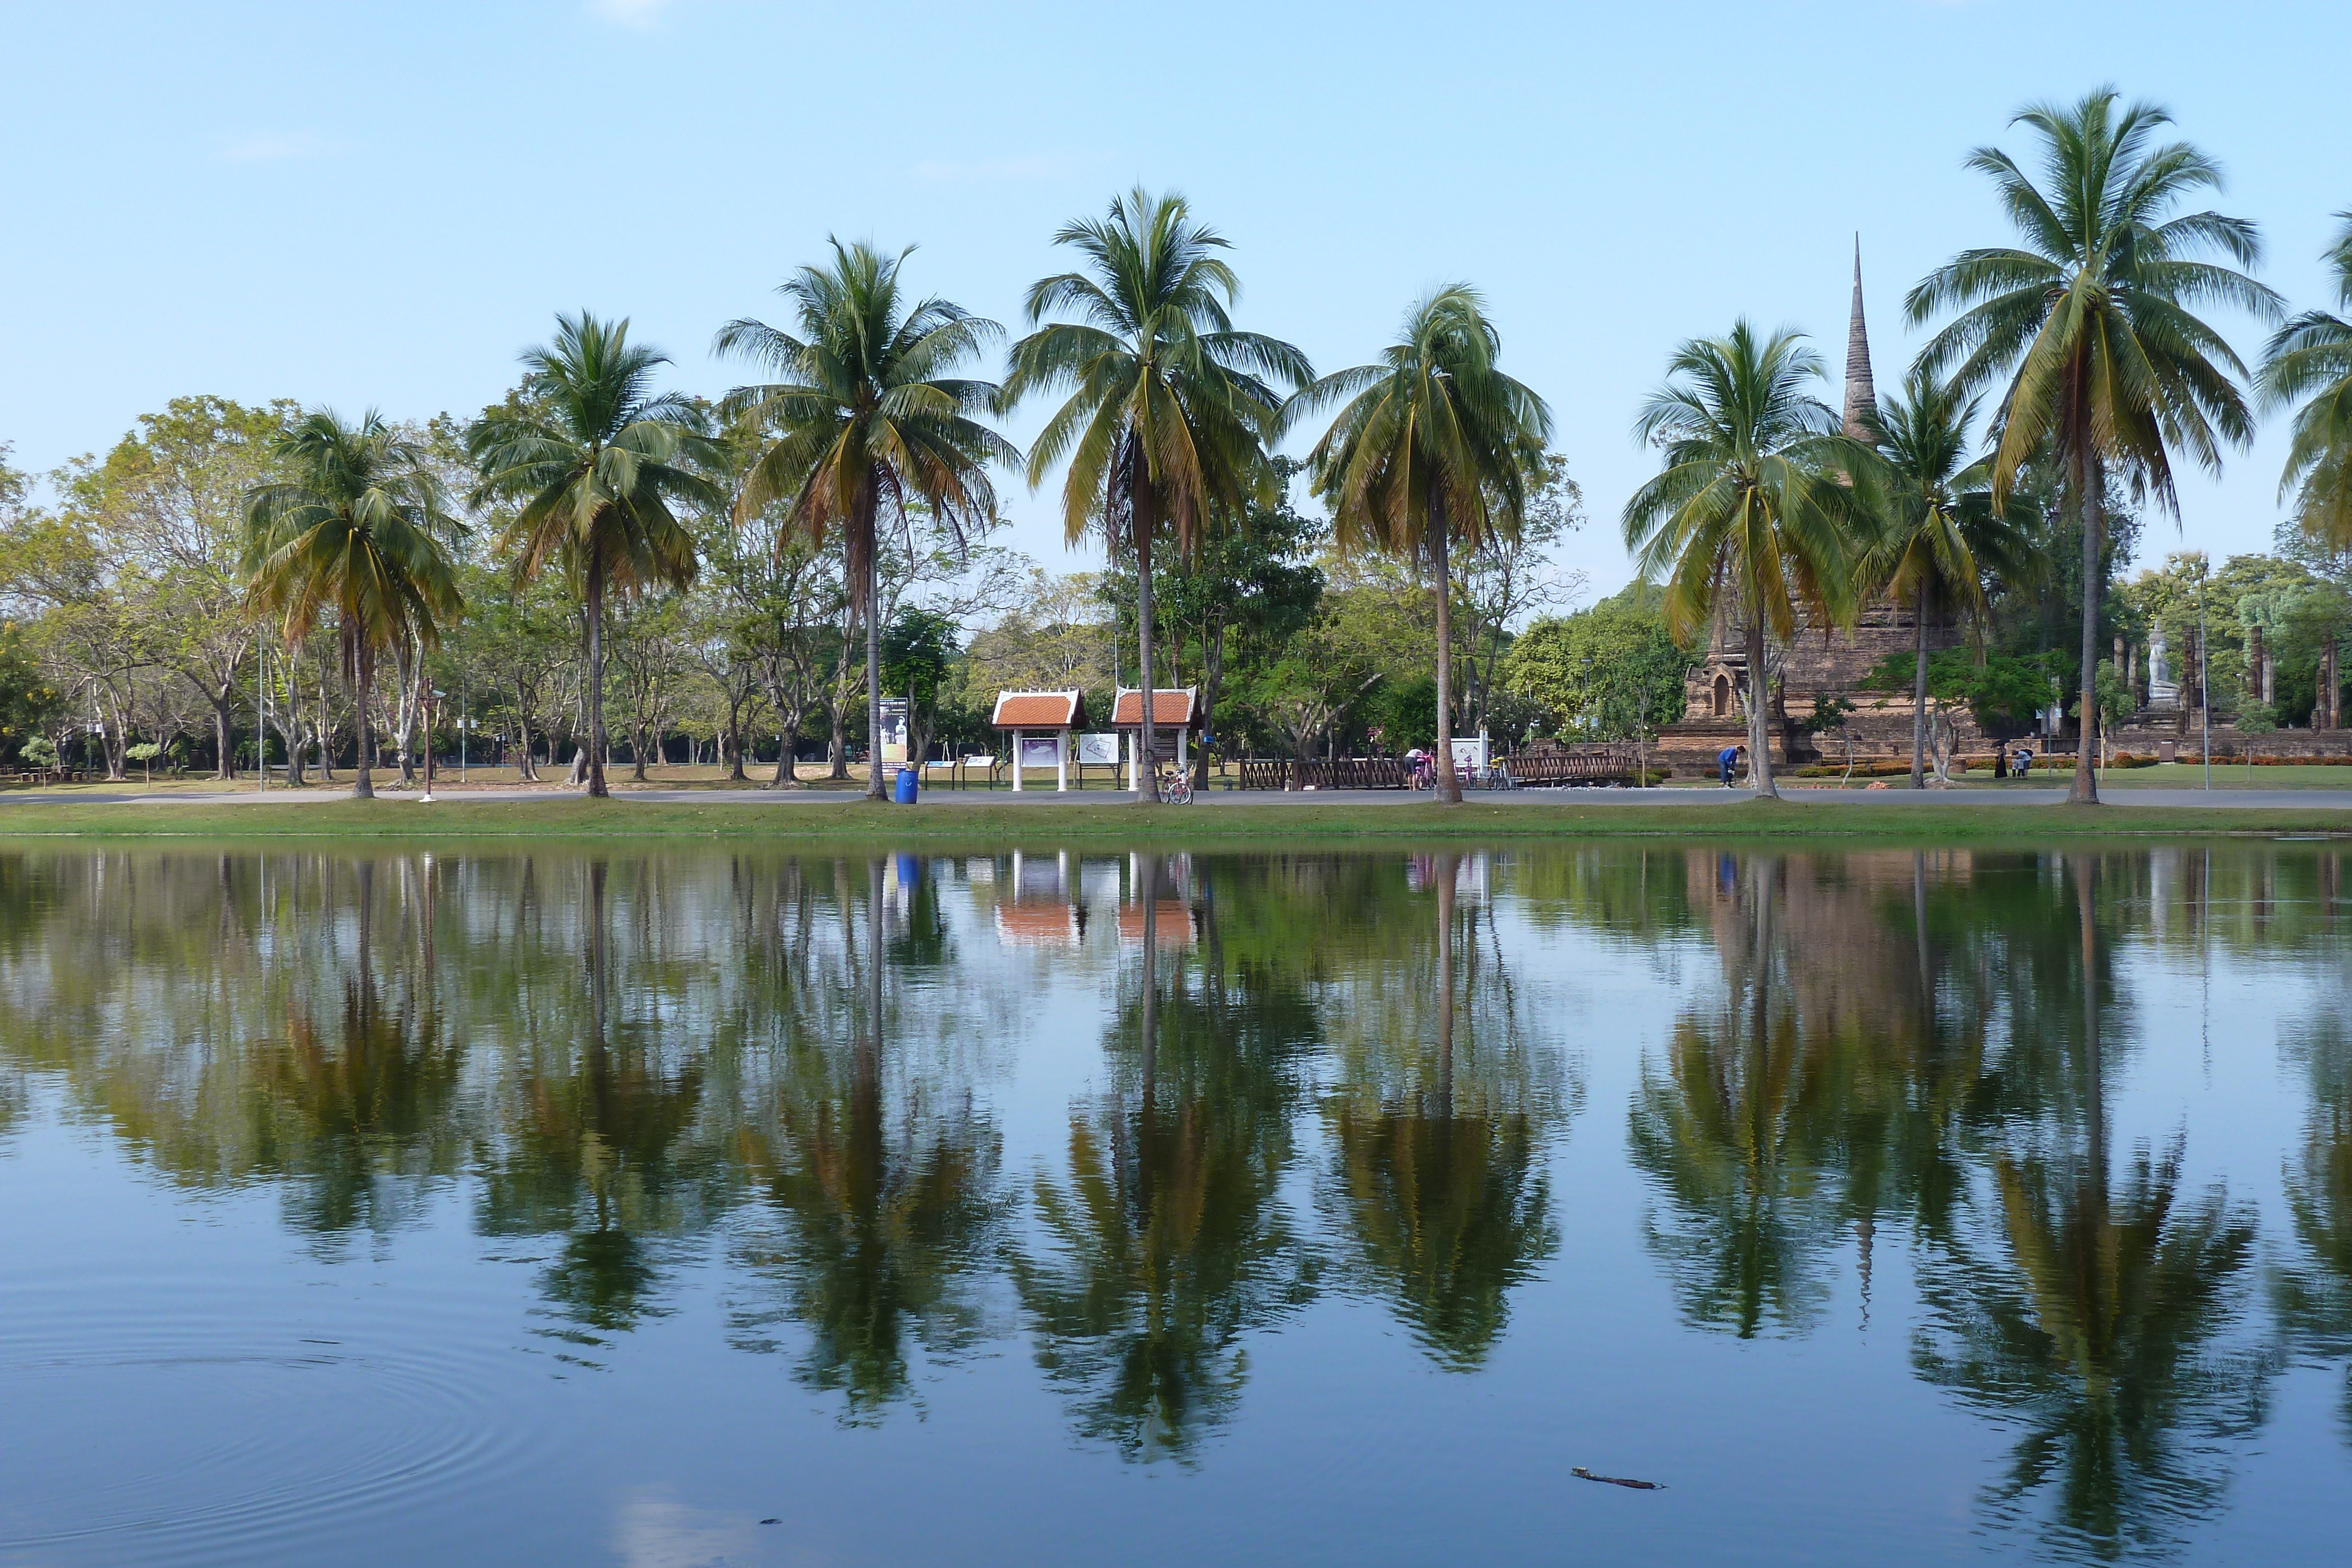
2204	682
260	712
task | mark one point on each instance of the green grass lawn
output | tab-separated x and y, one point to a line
977	824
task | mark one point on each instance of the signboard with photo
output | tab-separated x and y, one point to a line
1039	751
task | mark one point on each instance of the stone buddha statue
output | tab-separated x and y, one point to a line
2163	691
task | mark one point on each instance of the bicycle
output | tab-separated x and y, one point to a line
1175	787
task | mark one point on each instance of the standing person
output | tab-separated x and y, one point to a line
1727	761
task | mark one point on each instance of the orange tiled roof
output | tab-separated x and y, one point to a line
1170	709
1040	710
1172	917
1036	925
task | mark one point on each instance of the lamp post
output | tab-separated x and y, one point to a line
2204	680
261	712
431	697
465	708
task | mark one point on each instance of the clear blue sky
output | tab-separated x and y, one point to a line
381	205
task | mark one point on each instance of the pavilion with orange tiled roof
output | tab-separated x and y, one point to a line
1040	724
1175	719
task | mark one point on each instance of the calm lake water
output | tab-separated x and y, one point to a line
681	1208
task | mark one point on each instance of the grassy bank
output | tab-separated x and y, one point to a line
977	824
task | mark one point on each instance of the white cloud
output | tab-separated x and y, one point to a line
276	147
644	14
656	1531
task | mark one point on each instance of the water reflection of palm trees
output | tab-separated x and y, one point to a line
593	1152
1440	1183
2092	1317
2313	1292
1167	1243
890	1200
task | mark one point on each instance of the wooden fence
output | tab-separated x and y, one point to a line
1558	766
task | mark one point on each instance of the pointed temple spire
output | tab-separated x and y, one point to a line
1861	396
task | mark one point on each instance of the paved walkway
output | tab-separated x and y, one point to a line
1895	799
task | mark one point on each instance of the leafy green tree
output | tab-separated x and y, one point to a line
2003	694
1608	670
1430	449
918	652
1748	503
864	410
28	700
1942	535
596	463
357	530
2090	317
1168	415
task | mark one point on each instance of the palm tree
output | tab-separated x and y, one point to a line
2090	317
1748	502
597	461
1942	533
1430	449
864	411
1167	416
357	529
2311	357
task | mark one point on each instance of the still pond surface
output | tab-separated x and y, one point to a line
688	1208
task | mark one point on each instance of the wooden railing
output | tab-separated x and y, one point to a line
1577	765
1323	773
1580	765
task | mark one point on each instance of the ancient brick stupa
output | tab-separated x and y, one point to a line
1818	662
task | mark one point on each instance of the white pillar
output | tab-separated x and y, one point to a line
1133	741
1017	736
1062	763
1180	751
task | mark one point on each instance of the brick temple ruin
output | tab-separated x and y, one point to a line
1824	662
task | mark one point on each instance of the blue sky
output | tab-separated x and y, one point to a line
380	204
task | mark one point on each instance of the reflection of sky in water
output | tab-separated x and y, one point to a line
385	1261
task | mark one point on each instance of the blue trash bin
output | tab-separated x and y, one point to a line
906	794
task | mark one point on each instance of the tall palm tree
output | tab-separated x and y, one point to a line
1748	502
357	529
597	461
863	410
2090	317
2311	357
1169	411
1942	532
1430	449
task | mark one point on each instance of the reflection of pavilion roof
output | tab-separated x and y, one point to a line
1038	925
1039	710
1175	919
1172	710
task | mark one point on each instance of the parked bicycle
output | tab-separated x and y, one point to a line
1175	786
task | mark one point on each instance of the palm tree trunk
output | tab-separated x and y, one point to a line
597	744
1919	691
1759	750
2089	483
1143	511
1449	786
867	502
363	666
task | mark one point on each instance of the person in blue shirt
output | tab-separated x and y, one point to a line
1727	760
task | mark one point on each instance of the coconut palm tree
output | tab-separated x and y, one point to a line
1747	503
357	529
2090	317
864	411
1430	449
1941	533
2311	358
1169	412
598	462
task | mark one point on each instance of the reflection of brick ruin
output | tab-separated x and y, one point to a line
1818	662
